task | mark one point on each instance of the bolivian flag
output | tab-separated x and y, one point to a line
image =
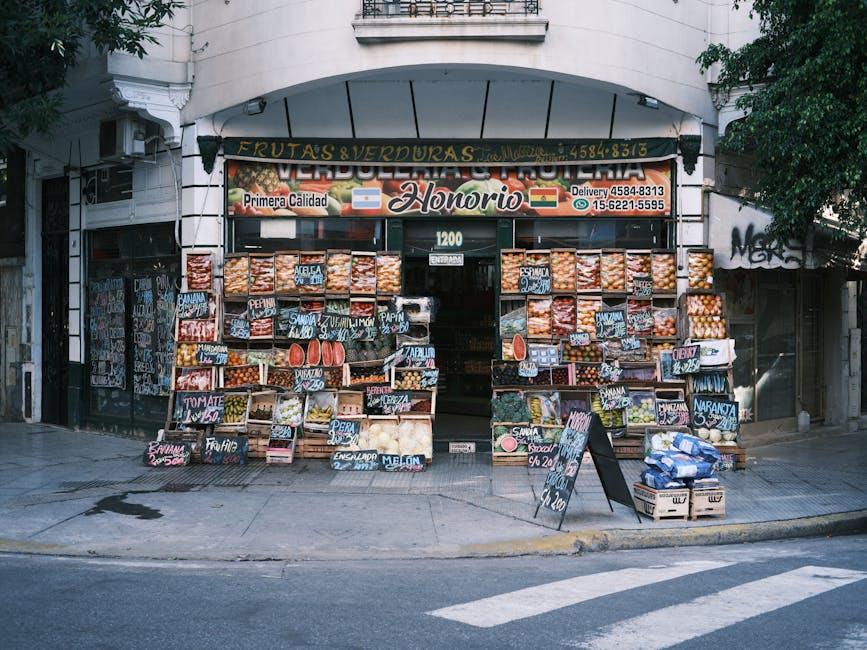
543	197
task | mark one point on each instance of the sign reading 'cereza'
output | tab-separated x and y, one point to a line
167	454
193	304
714	413
309	275
610	323
308	380
212	354
686	360
614	397
534	280
579	339
395	402
343	432
401	463
264	307
673	412
642	286
366	460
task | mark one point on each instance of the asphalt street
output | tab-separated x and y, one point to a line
793	594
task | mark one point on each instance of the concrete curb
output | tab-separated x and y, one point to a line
571	543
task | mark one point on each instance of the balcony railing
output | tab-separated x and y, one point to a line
447	8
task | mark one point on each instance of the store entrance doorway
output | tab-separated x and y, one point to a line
463	331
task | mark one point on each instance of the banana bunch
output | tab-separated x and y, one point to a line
535	409
319	414
610	419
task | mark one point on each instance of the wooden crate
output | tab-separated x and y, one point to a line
517	459
192	438
661	504
280	455
243	261
313	448
738	453
707	502
631	448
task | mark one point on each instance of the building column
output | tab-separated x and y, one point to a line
77	370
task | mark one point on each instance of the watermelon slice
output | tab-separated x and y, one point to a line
519	347
296	356
327	354
339	353
508	444
314	352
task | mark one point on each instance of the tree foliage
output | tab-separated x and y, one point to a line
806	109
41	40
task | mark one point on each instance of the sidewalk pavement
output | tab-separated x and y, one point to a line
81	493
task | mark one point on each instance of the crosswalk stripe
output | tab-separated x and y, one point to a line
532	601
669	626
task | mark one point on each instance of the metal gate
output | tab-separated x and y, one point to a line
55	299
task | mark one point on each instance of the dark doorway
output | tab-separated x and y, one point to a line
463	331
55	299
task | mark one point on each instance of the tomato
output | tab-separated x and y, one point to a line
232	169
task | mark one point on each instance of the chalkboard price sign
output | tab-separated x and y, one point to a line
686	360
366	460
167	454
560	480
641	321
393	322
527	434
224	450
534	280
429	378
672	412
610	372
373	397
309	380
307	275
107	328
362	328
239	328
145	341
714	413
579	339
194	304
395	402
398	463
528	368
333	327
630	343
283	432
610	323
642	287
542	454
199	408
294	323
343	432
264	307
417	356
614	397
212	354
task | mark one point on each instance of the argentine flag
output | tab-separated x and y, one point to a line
366	198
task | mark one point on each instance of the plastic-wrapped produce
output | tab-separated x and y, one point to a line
510	266
337	271
284	264
585	319
539	317
563	315
704	304
388	273
664	271
587	271
664	321
200	272
236	272
613	271
637	263
261	274
700	268
363	277
563	269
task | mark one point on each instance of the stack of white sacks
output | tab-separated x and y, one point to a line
683	461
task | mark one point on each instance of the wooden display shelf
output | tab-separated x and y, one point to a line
516	459
313	448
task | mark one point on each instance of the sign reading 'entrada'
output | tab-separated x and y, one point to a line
626	188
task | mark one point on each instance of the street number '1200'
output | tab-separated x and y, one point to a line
449	238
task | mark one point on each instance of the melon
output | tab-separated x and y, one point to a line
339	353
519	347
327	354
296	356
508	444
314	352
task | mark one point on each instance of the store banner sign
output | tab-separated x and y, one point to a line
620	189
449	152
738	235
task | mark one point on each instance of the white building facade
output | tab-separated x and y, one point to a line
371	72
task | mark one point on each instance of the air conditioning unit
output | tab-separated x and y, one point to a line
125	137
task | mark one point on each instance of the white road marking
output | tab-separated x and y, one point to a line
532	601
679	623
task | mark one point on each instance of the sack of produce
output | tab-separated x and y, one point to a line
659	480
680	465
701	483
693	446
